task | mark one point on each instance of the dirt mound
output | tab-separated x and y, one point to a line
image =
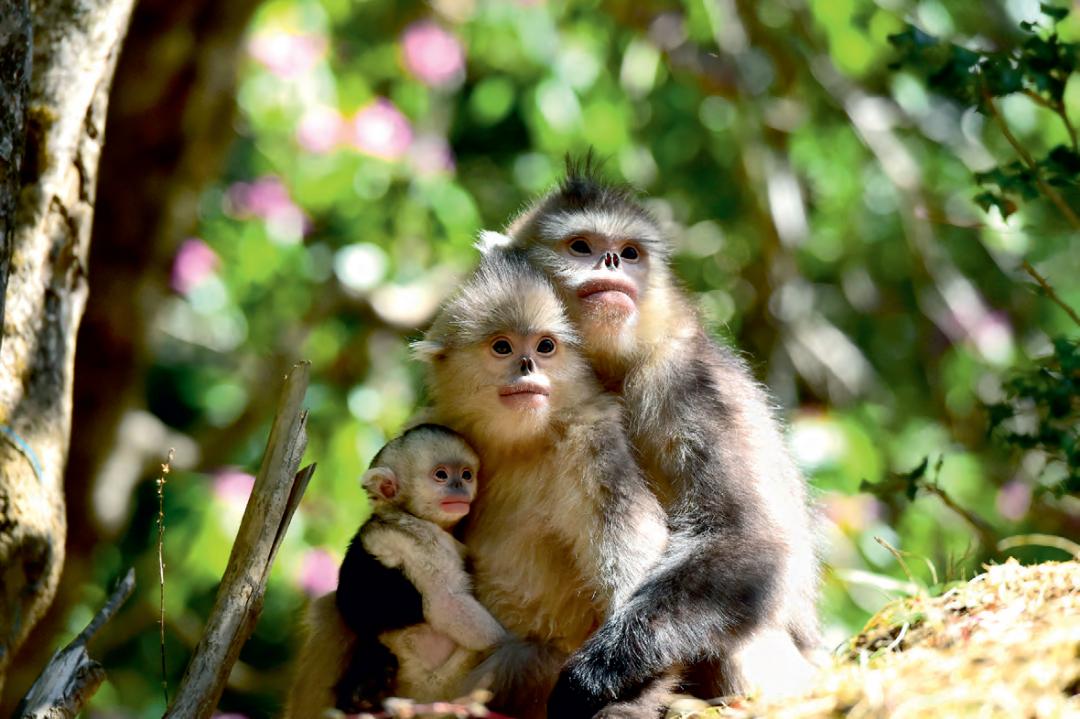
1006	644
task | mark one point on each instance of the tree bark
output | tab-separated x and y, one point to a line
172	104
75	47
15	60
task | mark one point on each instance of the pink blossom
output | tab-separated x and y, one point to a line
194	262
318	572
320	129
287	54
432	54
431	155
380	130
232	486
268	199
1013	500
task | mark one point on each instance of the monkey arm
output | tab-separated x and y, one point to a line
462	618
431	560
704	597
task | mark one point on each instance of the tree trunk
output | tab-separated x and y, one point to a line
172	104
75	46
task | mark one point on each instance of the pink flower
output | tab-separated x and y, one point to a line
287	54
320	129
431	155
380	130
432	54
1013	500
194	262
269	200
233	486
318	572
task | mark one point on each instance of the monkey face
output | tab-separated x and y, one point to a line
605	276
430	475
523	363
446	493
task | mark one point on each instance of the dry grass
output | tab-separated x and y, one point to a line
1006	644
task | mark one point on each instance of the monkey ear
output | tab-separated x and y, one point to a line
428	350
381	482
489	240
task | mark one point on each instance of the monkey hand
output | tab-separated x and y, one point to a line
586	685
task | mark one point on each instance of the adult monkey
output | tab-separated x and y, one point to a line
733	599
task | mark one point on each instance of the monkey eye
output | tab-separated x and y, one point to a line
545	346
580	247
441	475
630	253
466	474
501	346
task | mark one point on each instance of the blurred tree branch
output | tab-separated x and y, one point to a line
75	47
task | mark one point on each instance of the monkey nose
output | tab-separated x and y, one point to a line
611	260
527	365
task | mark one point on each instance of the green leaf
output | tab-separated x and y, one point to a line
1058	13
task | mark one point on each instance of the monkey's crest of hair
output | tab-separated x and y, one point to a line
505	294
586	202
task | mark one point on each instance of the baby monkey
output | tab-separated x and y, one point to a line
403	620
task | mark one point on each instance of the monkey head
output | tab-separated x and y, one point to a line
429	471
502	352
606	254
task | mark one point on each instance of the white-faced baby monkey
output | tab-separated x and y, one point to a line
733	598
403	620
565	526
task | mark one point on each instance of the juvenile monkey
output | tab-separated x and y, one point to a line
565	526
403	620
733	597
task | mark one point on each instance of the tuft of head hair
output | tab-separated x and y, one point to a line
505	294
585	201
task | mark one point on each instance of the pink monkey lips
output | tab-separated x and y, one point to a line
615	293
524	395
455	506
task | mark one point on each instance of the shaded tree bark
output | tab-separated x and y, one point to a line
75	47
15	62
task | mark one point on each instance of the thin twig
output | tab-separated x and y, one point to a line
1046	189
899	560
165	468
1040	540
1059	109
1049	291
986	533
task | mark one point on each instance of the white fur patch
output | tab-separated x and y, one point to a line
600	222
489	240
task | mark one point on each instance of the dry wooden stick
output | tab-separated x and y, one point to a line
165	468
274	498
71	677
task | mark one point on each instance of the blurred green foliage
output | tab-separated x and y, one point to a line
822	207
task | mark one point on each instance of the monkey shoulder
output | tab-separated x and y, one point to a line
399	538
